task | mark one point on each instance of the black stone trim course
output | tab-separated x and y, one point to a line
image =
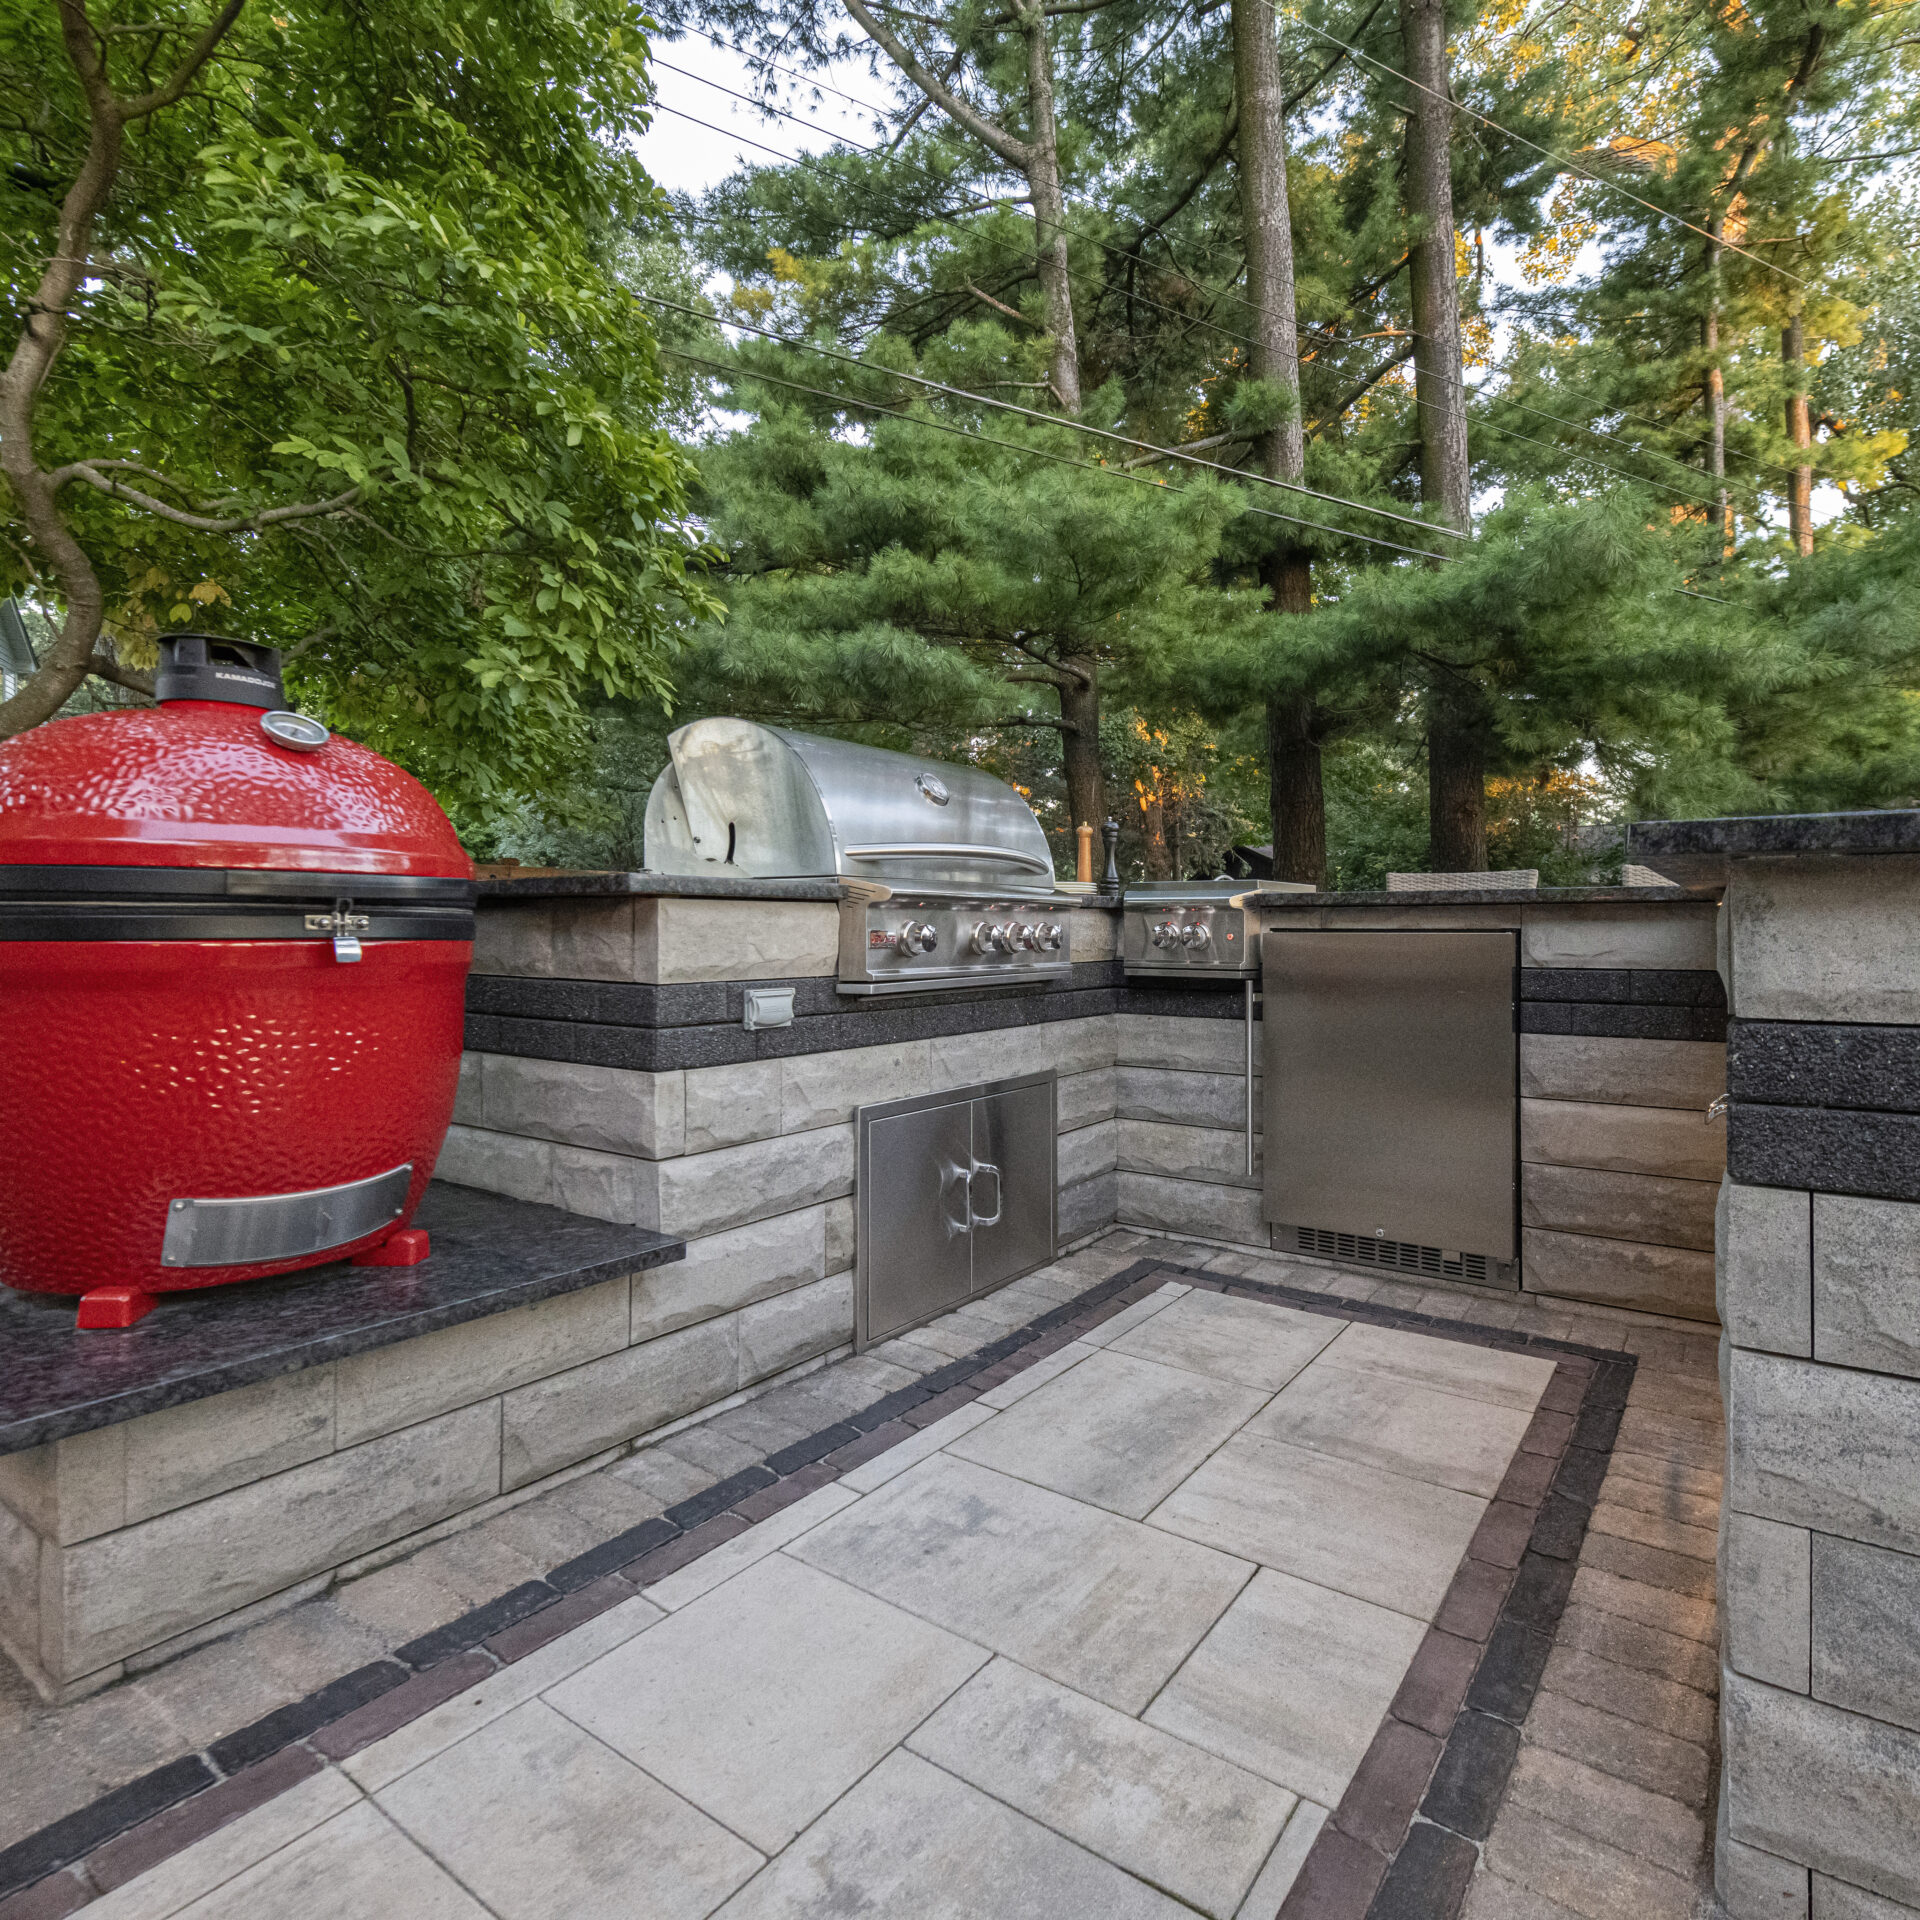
1825	1149
1897	830
1424	1878
1792	1063
1621	1003
490	1254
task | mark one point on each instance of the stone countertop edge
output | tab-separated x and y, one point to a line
1889	830
56	1381
504	891
1489	897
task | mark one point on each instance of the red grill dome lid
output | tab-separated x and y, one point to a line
201	780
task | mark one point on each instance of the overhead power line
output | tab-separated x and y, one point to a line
1060	421
1032	453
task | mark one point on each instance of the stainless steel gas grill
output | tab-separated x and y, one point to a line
947	878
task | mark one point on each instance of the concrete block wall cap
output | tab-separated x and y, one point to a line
1880	830
1680	893
547	884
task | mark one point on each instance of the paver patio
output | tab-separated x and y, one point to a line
1114	1637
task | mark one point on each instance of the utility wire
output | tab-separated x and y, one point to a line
1034	453
1059	420
1560	159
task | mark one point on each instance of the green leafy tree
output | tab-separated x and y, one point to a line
325	341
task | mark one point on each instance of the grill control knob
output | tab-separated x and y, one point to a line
1047	938
1025	937
1166	934
1001	938
916	937
1195	937
986	939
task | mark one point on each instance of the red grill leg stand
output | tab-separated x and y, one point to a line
407	1248
114	1307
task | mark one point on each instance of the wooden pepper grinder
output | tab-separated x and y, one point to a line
1110	880
1083	854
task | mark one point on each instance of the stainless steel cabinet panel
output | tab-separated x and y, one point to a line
1392	1091
956	1194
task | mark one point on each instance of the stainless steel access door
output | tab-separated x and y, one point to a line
956	1193
1392	1095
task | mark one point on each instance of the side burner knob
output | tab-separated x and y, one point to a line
1195	937
1166	934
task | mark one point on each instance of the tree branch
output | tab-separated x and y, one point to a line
105	667
1016	153
200	522
197	57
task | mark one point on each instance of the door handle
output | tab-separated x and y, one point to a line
952	1176
984	1219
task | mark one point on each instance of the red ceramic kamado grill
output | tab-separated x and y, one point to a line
233	951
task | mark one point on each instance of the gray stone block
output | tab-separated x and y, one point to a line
1666	937
724	1272
70	1489
1204	1208
683	939
1619	1206
1186	1046
1082	1098
1866	1283
839	1235
514	940
1628	1073
1835	1900
823	1089
1826	937
1765	1270
1759	1886
1866	1629
605	1109
1189	1153
1096	933
603	1186
1617	1273
497	1163
467	1109
1588	1133
1186	1099
397	1386
20	1551
1088	1151
187	1453
144	1584
1808	1782
709	1192
792	1327
1824	1447
1086	1208
554	1422
594	940
728	1106
1765	1570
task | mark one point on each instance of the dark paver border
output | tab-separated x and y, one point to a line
1401	1845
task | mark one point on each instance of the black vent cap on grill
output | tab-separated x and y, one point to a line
208	666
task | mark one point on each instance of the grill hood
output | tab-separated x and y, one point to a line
742	800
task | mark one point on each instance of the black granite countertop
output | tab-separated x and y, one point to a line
489	1253
1485	897
688	886
1892	830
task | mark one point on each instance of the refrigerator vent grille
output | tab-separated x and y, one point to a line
1404	1256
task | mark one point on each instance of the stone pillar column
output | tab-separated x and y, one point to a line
1819	1291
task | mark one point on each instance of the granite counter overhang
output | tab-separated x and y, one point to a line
490	1254
1698	851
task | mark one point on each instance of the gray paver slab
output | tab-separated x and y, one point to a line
1392	1423
1454	1366
1117	1431
764	1700
913	1840
543	1822
1103	1604
1180	1818
1245	1340
1291	1684
1379	1536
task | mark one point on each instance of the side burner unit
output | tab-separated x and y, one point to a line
1195	929
946	876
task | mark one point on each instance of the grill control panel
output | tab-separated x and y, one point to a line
1212	937
915	943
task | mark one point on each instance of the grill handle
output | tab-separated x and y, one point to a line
950	850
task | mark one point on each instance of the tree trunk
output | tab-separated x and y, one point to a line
1080	715
1294	798
1298	798
1445	477
1456	799
1050	212
1793	350
1156	855
1456	758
